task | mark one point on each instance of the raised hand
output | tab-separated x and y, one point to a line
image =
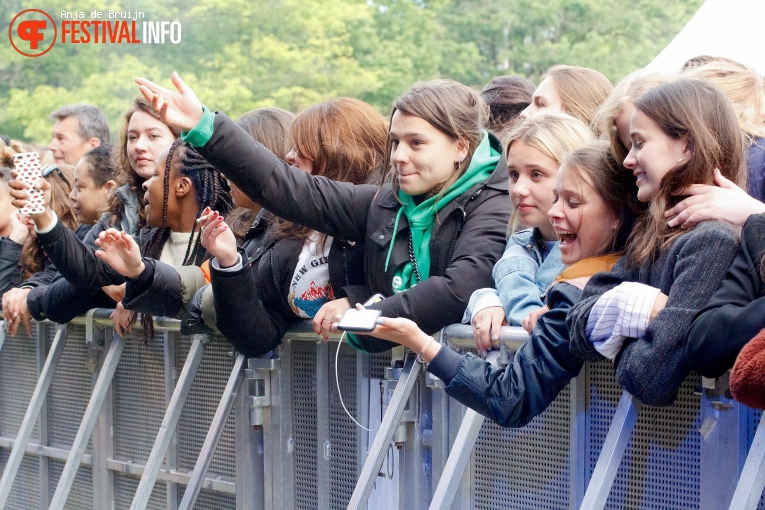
216	237
19	195
726	202
180	109
119	250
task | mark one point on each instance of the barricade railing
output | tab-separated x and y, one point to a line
274	434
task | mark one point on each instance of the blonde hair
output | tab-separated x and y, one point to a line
742	85
552	134
626	91
581	90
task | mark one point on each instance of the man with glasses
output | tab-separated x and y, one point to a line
77	129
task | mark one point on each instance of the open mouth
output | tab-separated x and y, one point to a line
565	238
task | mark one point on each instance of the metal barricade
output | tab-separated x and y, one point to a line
88	420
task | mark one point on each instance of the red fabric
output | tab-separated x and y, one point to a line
747	379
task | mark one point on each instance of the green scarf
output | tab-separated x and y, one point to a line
421	216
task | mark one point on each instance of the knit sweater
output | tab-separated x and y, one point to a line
653	367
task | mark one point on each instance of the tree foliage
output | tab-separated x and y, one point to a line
240	54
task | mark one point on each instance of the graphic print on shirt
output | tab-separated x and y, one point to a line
310	287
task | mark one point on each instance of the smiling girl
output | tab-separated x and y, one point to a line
593	215
531	259
431	233
576	91
638	314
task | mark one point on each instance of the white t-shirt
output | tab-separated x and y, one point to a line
310	287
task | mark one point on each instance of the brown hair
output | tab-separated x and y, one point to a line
594	164
552	134
581	90
449	106
124	173
270	127
627	90
346	141
506	96
32	255
700	113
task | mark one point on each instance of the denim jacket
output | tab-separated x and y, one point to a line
521	277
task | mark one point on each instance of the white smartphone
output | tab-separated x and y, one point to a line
362	321
28	170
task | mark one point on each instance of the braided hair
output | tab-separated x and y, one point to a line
210	190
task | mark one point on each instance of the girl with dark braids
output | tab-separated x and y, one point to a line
143	137
182	185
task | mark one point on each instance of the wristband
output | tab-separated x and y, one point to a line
420	354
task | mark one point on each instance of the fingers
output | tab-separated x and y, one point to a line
318	319
149	87
179	83
11	326
721	181
481	334
526	324
26	320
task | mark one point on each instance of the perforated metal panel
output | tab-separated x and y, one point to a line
210	500
344	434
661	466
304	412
200	408
139	395
18	377
81	495
526	468
25	493
753	422
70	389
377	364
125	487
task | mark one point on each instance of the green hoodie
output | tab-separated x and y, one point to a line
421	216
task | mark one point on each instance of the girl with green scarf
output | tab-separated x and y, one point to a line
432	230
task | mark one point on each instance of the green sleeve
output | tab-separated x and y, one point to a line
202	132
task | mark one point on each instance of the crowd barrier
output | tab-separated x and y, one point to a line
91	421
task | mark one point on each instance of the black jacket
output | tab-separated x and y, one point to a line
251	307
10	273
736	312
540	369
468	237
84	274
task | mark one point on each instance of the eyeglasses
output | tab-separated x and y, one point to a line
49	169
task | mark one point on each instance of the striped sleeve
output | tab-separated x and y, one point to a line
622	312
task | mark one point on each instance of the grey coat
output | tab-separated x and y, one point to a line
652	368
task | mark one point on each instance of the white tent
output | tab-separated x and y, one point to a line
725	28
